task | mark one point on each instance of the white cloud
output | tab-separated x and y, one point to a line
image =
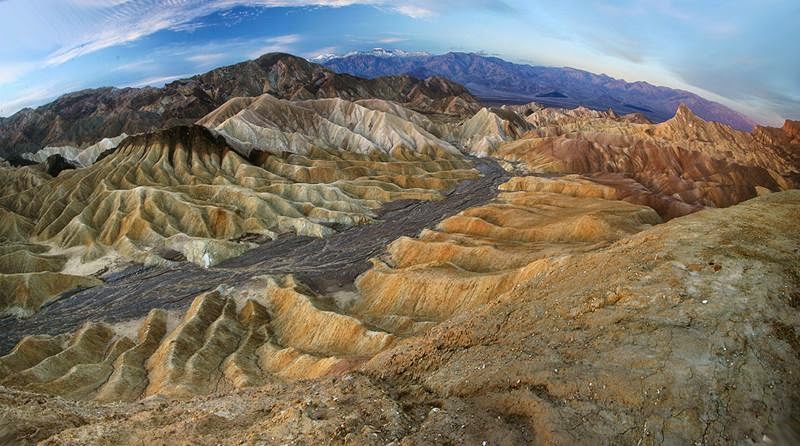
206	58
279	44
139	65
13	71
157	81
97	24
29	98
415	11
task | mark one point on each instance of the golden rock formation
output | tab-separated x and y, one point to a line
221	343
474	256
676	167
295	167
610	330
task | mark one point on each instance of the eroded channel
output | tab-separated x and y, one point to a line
321	263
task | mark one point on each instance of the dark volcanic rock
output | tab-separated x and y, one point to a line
55	164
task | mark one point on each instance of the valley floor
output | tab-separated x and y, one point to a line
331	262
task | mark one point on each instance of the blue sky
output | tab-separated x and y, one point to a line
741	53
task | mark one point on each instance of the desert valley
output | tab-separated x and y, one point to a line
397	249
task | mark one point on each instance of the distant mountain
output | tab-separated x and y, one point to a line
377	52
85	117
495	80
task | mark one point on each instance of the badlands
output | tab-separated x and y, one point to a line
389	262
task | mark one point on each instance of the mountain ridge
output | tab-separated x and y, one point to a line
496	80
84	117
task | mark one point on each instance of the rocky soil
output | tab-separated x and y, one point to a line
337	271
322	263
684	333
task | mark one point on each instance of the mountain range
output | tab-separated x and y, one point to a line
84	117
326	259
495	80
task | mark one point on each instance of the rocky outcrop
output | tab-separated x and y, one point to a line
79	157
610	330
220	343
675	167
487	129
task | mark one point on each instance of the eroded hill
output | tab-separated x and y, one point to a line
659	336
622	281
83	118
185	193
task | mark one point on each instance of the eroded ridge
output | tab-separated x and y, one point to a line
276	328
185	193
471	258
319	262
272	331
677	167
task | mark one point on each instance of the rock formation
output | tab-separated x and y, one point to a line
80	157
322	259
495	80
609	330
299	167
83	118
675	167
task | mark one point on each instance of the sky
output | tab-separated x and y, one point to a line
743	54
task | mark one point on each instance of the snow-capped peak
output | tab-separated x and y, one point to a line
323	57
384	52
377	52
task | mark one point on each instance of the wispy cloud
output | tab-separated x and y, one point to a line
157	81
206	58
391	40
276	45
415	11
99	24
13	71
139	65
